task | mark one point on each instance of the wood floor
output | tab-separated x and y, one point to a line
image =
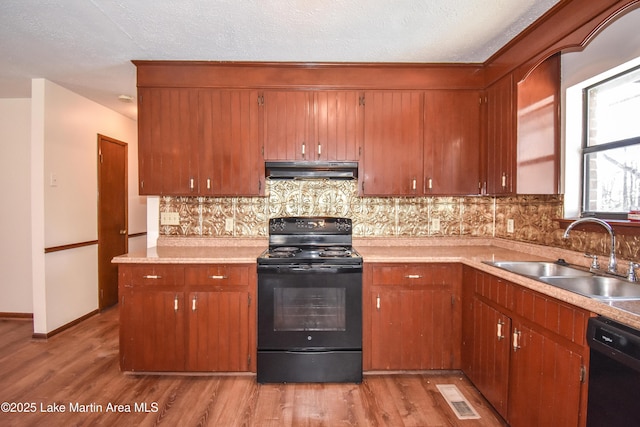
77	370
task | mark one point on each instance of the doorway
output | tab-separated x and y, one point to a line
112	215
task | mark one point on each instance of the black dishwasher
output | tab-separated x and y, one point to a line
614	374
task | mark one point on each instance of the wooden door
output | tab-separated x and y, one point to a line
393	143
411	328
230	158
452	142
337	125
152	335
489	358
167	141
286	132
538	130
219	331
545	380
500	137
112	216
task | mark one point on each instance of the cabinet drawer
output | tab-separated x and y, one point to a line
412	274
150	275
218	275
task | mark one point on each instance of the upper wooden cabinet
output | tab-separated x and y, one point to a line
197	141
452	142
538	130
393	143
310	125
500	138
230	159
167	141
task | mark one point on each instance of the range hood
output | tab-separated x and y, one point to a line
311	170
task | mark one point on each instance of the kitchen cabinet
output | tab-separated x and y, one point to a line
230	161
451	142
194	141
393	143
312	125
526	352
500	137
187	318
538	130
411	317
167	141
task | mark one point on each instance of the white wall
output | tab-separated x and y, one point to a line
64	199
615	48
15	223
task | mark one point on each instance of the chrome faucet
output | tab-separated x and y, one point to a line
613	264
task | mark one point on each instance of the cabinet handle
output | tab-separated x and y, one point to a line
193	303
504	180
319	150
414	184
208	183
303	149
175	303
123	232
152	276
500	335
191	184
216	277
413	276
378	302
430	184
516	340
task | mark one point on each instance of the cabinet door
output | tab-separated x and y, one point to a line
219	331
230	161
393	143
337	125
545	381
152	332
489	358
167	141
452	142
411	328
538	141
500	137
286	126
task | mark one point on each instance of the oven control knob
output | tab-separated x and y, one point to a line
309	338
278	225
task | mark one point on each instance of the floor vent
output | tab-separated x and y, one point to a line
458	403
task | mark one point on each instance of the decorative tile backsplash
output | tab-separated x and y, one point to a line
480	216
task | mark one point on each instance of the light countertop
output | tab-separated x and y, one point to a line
468	251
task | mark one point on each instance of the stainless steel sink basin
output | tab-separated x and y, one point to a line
538	269
599	287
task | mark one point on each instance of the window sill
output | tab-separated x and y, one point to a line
620	226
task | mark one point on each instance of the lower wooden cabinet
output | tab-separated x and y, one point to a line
411	316
525	352
187	318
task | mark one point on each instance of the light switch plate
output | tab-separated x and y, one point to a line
435	225
169	218
510	225
228	224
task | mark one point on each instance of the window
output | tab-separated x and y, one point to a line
611	148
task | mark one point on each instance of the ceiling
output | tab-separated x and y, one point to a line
87	45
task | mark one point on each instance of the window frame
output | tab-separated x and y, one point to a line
585	149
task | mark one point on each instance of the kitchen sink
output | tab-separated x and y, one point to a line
536	269
598	287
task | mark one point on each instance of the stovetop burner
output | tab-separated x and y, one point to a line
310	241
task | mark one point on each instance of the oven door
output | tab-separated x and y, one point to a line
310	308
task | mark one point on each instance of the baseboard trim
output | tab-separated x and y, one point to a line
64	327
4	315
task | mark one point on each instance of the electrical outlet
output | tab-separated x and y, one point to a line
435	225
228	224
510	225
169	218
